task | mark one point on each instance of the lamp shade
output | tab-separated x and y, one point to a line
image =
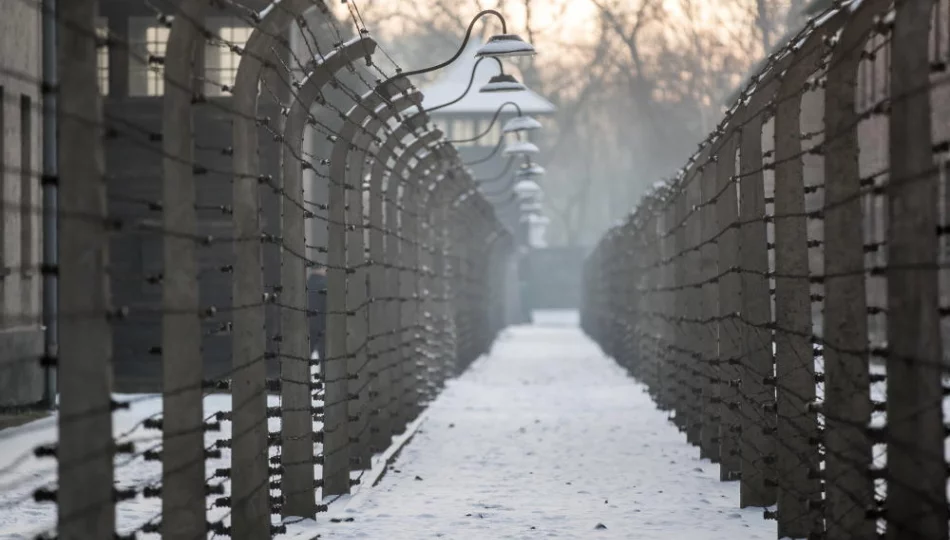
530	171
521	147
505	45
527	189
503	83
521	123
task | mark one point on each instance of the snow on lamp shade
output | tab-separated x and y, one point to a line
529	171
505	45
502	83
521	123
527	189
520	147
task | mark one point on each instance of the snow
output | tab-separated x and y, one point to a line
21	473
521	123
454	79
506	45
520	147
547	438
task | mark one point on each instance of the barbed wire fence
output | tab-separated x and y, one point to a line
785	296
250	431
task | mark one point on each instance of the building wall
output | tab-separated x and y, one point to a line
20	136
133	107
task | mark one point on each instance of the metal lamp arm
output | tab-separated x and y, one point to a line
468	34
489	156
493	120
467	88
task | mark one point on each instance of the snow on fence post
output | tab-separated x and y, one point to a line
730	298
708	339
916	505
758	407
183	455
849	490
85	447
797	455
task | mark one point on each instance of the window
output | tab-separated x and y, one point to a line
27	213
221	63
102	57
146	41
491	138
463	129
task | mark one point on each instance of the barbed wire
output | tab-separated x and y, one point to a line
771	295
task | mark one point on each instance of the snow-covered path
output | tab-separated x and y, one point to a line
548	438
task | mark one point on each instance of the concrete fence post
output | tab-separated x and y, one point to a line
248	391
85	446
849	490
916	505
730	303
349	154
757	422
298	482
183	457
797	457
709	345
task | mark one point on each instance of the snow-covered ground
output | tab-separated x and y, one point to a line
547	438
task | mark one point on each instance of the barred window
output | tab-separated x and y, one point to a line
146	40
221	63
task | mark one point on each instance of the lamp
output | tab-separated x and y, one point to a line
530	170
520	147
498	83
528	190
501	45
506	45
521	123
502	83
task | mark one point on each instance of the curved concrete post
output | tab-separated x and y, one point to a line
849	491
757	485
797	458
407	263
346	162
389	228
916	506
183	456
250	501
347	159
298	481
412	241
689	301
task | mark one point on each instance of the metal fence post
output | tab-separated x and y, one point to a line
85	447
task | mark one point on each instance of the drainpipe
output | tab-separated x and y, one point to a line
50	223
